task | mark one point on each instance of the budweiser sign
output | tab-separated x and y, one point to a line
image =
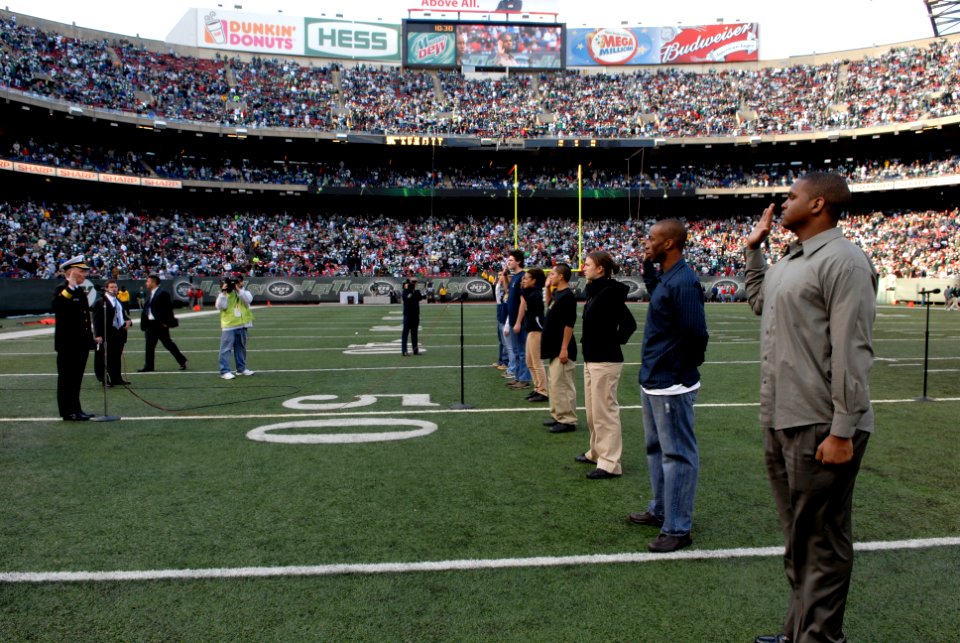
709	44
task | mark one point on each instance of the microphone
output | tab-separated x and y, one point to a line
935	291
463	296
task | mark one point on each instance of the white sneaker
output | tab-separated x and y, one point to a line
227	376
246	372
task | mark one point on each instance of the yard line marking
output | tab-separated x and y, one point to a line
442	565
520	409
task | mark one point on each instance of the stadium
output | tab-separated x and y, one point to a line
344	492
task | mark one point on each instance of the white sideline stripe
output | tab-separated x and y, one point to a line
442	565
889	360
404	412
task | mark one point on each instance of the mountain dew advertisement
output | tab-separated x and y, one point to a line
431	49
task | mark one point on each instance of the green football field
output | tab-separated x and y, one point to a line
336	495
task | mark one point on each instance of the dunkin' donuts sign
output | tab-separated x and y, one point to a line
236	31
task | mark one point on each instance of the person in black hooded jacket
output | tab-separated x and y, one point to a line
607	325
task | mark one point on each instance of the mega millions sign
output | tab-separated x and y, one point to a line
662	45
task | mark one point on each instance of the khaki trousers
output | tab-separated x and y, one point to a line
563	391
601	381
534	363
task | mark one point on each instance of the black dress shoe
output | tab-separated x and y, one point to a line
538	397
77	417
772	638
602	474
583	459
144	370
549	422
560	427
665	543
645	518
183	366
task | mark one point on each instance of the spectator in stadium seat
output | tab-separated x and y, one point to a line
607	325
817	307
559	348
674	344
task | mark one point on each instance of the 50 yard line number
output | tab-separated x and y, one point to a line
279	433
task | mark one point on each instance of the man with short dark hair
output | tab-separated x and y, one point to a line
674	344
560	349
156	321
517	338
817	307
110	324
411	298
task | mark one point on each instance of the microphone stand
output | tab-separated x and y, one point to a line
462	405
926	343
106	417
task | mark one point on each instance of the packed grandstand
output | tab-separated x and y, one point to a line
722	172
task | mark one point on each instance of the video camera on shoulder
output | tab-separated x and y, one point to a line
228	284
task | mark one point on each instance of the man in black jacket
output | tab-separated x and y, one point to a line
411	316
110	324
73	338
156	322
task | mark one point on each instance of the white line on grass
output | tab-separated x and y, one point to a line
524	409
442	565
889	360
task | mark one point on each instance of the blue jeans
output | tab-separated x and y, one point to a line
507	346
672	459
233	340
502	356
518	358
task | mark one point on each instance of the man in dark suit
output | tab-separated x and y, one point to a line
110	324
411	316
156	322
72	338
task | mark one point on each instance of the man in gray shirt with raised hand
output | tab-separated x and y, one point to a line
818	305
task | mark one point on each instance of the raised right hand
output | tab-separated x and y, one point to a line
762	229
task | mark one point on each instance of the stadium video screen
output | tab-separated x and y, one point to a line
486	45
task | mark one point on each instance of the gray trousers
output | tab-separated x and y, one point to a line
814	505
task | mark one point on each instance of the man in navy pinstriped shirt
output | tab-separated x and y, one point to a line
674	344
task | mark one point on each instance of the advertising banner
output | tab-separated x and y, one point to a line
240	31
83	175
352	40
506	6
431	45
608	46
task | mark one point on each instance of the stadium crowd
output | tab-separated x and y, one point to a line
900	86
34	238
186	166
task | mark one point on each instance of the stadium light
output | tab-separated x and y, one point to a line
159	124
